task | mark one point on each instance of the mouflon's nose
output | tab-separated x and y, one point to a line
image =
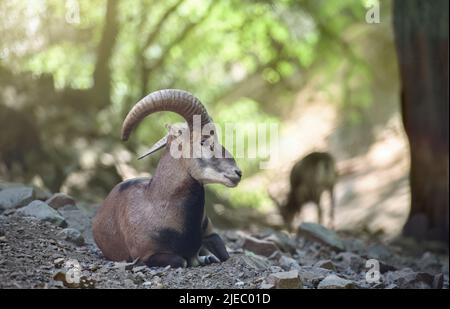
238	172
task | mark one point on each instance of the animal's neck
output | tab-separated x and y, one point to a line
172	180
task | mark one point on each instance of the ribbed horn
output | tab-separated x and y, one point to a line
173	100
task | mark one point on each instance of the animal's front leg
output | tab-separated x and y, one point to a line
216	245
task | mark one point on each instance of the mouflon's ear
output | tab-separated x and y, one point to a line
157	146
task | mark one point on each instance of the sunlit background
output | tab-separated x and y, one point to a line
71	70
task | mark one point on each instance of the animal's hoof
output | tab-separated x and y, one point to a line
208	259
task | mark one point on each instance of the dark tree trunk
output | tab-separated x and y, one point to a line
102	72
421	35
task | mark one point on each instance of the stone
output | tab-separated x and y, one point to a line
288	263
275	269
255	261
41	194
67	279
312	275
58	262
285	280
335	282
391	286
72	235
378	251
283	241
325	264
406	278
78	219
349	260
260	247
124	265
275	256
6	185
438	281
138	269
319	233
430	262
266	286
16	197
59	200
354	245
42	212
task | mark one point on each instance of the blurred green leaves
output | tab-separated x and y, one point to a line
225	52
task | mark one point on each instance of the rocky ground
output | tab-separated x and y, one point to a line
45	242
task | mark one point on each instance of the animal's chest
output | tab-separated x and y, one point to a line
183	234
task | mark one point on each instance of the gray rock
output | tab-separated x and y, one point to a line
59	200
283	241
354	245
319	233
335	282
275	256
41	194
438	281
276	269
255	261
8	185
78	219
378	251
285	280
313	275
349	260
430	262
391	286
72	235
122	266
257	246
406	278
43	212
288	263
16	197
326	264
266	286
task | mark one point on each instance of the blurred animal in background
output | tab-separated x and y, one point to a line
309	179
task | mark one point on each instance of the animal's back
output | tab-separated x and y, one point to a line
317	168
113	215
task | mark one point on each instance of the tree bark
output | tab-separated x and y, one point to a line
102	71
421	36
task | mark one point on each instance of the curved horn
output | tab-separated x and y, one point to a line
174	100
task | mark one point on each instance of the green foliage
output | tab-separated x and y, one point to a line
213	48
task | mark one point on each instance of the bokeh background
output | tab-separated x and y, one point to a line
71	70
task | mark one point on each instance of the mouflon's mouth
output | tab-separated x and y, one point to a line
234	180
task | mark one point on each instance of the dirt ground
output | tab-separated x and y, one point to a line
33	256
